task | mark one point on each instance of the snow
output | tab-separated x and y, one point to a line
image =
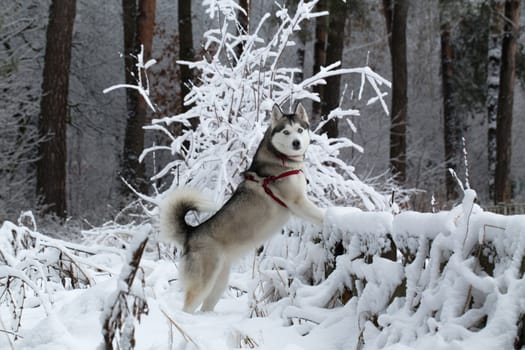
447	300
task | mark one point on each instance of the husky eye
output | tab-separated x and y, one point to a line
300	130
286	132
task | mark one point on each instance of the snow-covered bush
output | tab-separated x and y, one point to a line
35	268
127	304
231	101
406	279
453	279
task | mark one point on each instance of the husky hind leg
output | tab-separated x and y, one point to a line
199	272
221	282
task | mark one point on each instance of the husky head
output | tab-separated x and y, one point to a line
290	132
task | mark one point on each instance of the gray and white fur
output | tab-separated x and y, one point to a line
247	219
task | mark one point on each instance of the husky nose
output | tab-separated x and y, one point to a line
296	144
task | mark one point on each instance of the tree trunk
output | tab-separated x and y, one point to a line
187	53
451	128
51	166
334	53
133	170
321	36
502	188
493	69
129	20
396	19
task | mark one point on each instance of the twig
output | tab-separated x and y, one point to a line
142	69
11	333
11	344
250	342
184	334
465	159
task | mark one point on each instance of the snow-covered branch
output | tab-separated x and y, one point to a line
125	305
142	86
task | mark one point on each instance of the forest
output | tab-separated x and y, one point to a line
457	72
415	155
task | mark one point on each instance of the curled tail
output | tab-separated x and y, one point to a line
173	209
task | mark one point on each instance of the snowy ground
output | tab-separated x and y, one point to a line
74	321
455	282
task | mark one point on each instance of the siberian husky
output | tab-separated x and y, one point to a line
273	188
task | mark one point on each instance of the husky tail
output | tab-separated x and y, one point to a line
173	209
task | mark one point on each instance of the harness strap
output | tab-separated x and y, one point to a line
268	180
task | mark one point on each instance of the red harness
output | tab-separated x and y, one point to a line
267	180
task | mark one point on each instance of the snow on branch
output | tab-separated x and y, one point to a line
232	101
409	278
34	267
142	86
126	304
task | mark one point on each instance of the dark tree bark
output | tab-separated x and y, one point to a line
129	19
187	53
321	36
51	166
328	48
334	53
493	69
134	171
502	188
451	128
396	19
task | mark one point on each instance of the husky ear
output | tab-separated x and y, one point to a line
277	114
300	112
